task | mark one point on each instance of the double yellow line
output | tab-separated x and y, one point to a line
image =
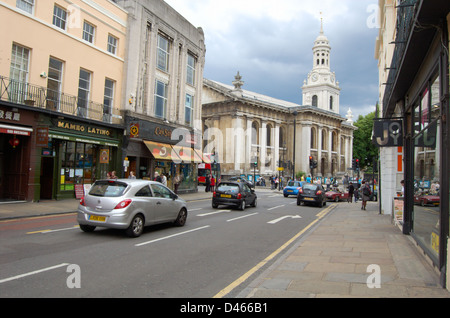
244	277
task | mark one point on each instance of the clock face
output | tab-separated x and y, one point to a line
315	77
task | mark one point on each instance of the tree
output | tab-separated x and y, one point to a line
363	148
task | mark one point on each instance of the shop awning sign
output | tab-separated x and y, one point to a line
161	151
388	133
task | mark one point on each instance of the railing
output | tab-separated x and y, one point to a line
42	97
406	12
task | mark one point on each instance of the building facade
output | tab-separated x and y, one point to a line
254	135
414	81
61	69
162	93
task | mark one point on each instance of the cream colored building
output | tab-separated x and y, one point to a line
54	44
243	127
61	72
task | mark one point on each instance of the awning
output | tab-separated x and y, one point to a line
197	156
161	151
15	130
185	153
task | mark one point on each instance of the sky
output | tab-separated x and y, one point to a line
270	44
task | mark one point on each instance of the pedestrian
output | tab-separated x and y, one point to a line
403	187
356	194
351	190
157	177
212	183
208	183
176	182
164	179
365	191
131	176
113	175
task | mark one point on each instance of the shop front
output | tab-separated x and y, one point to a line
418	91
16	145
76	155
159	148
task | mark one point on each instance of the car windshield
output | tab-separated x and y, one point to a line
309	187
108	189
228	187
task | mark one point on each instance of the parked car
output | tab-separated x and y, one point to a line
312	193
130	205
233	193
241	179
336	196
426	199
292	188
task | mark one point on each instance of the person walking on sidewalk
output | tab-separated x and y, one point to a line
351	190
365	191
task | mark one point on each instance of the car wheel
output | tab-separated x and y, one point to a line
215	205
254	203
87	228
242	205
181	219
285	195
136	227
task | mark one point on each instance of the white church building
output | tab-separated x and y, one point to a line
243	127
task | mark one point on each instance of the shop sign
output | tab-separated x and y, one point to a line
91	130
388	133
42	137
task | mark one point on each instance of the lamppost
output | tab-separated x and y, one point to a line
295	113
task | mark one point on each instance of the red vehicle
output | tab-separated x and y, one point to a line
426	199
204	169
336	196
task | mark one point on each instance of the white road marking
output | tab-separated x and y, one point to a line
215	212
277	207
170	236
285	217
33	273
242	217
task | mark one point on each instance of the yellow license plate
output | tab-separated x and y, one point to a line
226	196
97	218
308	199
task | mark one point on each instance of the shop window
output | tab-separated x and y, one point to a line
80	165
427	196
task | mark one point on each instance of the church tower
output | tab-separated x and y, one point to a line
321	89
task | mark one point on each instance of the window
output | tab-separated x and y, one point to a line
315	101
112	44
160	191
163	53
108	100
188	110
59	17
88	32
19	63
54	83
191	70
331	103
160	99
25	5
84	86
18	73
144	192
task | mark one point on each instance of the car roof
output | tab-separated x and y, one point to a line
130	181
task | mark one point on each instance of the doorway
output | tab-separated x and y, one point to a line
47	165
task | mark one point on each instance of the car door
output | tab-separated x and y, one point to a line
165	209
145	202
247	193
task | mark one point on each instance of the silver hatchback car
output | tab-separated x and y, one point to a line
130	205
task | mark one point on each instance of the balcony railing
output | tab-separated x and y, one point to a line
406	13
55	101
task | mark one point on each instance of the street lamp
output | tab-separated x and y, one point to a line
295	113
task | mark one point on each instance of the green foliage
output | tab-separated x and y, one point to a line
363	147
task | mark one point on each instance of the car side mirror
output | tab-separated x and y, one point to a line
174	196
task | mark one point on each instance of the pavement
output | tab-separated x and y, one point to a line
349	253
